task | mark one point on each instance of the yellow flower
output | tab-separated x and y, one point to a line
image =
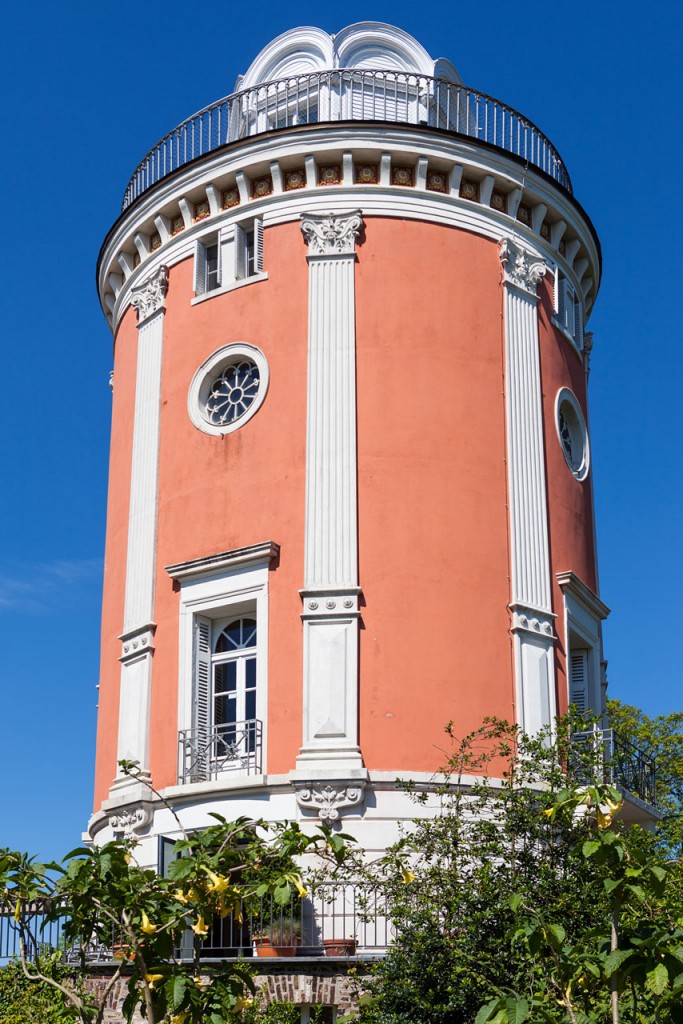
241	1003
152	979
604	820
180	896
201	928
300	887
179	1018
17	910
407	876
147	927
548	811
614	807
218	882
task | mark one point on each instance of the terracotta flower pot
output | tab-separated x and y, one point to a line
340	947
265	946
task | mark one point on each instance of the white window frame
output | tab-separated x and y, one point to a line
201	285
233	270
583	616
222	587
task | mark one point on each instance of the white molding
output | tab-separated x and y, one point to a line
406	145
568	396
225	561
138	642
253	279
205	376
572	585
530	605
330	799
328	234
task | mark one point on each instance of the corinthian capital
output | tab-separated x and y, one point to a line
326	234
520	268
148	297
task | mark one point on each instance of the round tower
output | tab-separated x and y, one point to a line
350	489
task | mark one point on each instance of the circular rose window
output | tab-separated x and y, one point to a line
572	433
228	388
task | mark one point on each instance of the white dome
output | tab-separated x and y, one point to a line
368	44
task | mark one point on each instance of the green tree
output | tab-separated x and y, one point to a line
500	882
26	1002
660	738
102	892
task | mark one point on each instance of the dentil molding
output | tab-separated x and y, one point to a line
148	298
520	267
329	800
330	234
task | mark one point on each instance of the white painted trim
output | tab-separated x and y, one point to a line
238	558
329	142
207	373
568	396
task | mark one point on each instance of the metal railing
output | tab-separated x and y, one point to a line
397	97
207	754
619	762
305	927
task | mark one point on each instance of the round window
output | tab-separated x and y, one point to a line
228	388
572	433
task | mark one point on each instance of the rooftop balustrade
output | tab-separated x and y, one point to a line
343	95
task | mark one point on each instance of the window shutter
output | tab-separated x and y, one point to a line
578	680
200	269
201	710
240	253
258	246
561	300
219	261
569	308
578	323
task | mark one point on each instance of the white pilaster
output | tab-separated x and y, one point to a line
330	595
137	639
530	606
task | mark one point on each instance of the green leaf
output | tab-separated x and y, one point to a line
658	979
556	935
175	991
517	1009
487	1012
590	847
616	959
180	869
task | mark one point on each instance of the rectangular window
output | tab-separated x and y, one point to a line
248	247
568	309
207	267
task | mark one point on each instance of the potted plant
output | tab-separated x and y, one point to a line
282	938
340	947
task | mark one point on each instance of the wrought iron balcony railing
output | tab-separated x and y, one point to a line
347	94
620	763
207	754
332	912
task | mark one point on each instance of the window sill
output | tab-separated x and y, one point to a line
563	330
254	279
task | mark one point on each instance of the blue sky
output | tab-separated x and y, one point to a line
86	90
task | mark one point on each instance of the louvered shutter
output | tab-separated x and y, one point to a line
200	269
578	680
201	703
258	246
240	253
561	301
578	323
569	308
219	261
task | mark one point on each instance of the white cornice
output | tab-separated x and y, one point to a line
328	144
572	584
238	558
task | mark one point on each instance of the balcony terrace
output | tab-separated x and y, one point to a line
347	95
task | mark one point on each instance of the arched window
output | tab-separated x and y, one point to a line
233	670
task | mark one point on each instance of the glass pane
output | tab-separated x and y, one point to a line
225	710
249	633
250	705
250	673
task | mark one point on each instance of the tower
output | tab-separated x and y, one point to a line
350	490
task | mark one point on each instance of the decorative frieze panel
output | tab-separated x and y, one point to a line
330	800
127	822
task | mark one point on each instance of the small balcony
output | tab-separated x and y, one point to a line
209	754
344	95
623	765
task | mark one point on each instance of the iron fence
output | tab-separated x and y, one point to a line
619	762
207	754
397	97
303	927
